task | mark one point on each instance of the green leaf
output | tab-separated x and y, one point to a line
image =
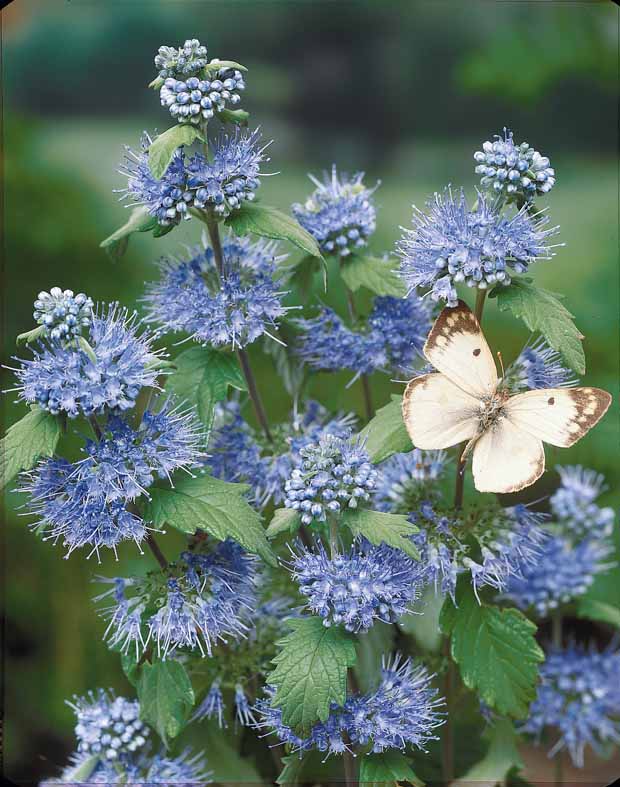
82	772
388	767
541	311
501	757
310	768
424	628
496	651
290	371
594	609
311	672
140	220
374	274
218	507
156	83
371	646
165	145
285	520
34	436
166	697
31	336
386	433
380	528
225	760
129	664
269	222
238	116
217	65
202	379
301	275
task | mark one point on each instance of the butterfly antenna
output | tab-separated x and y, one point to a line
501	363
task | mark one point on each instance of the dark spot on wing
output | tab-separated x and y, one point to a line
477	351
551	400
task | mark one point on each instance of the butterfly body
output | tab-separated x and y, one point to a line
464	401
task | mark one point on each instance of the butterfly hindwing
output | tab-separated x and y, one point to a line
559	416
437	413
456	347
507	459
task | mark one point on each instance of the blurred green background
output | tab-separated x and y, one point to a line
403	90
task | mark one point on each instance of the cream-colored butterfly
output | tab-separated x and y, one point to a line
464	400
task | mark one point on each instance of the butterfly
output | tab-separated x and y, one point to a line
464	400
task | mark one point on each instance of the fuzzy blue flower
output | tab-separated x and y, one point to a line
196	99
108	726
404	478
579	698
391	339
208	598
574	507
402	711
480	247
107	376
63	314
538	366
560	574
340	213
233	308
358	587
332	474
517	172
171	61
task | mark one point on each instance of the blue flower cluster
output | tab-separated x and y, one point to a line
207	598
237	452
579	697
196	100
406	479
63	314
578	551
538	366
176	62
358	587
513	171
234	308
391	339
479	247
330	475
75	381
221	183
340	213
86	503
402	711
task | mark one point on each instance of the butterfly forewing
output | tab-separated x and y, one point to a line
457	348
559	416
507	459
437	413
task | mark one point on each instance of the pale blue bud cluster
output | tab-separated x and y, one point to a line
515	171
63	314
574	506
188	59
196	100
331	475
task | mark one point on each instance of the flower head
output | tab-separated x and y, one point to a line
233	308
63	314
176	62
330	475
339	214
402	711
538	366
358	587
514	171
69	379
197	99
406	479
207	598
579	698
560	574
479	247
574	507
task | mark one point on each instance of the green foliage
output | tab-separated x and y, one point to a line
34	436
502	755
382	528
373	273
593	609
164	146
82	772
388	767
166	697
371	646
285	520
31	336
496	651
203	377
238	116
130	666
217	65
224	757
140	220
301	275
310	768
311	672
541	311
217	507
386	433
269	222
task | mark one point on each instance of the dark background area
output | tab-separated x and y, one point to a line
403	90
